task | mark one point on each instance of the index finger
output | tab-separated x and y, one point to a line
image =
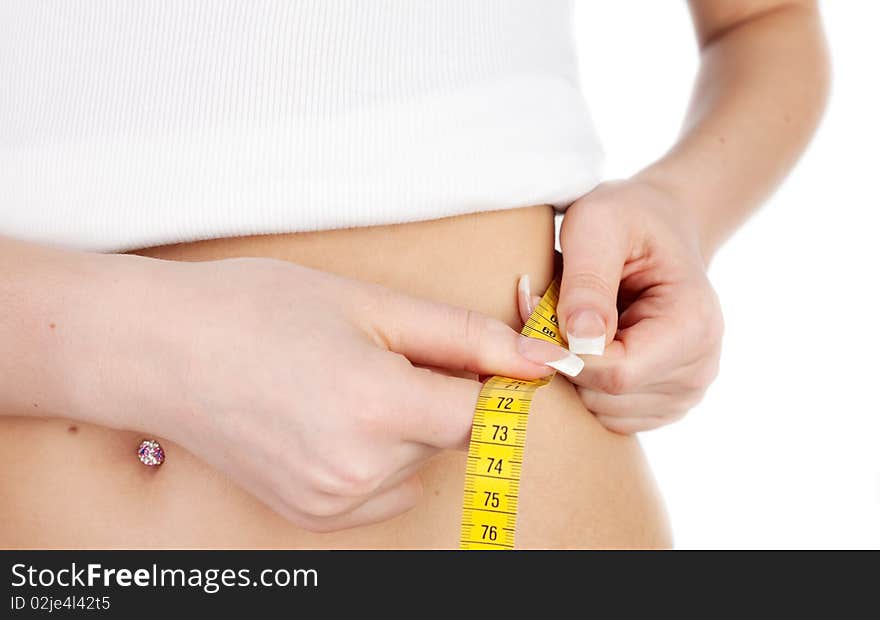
437	409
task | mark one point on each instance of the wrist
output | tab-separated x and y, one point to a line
106	358
51	299
690	209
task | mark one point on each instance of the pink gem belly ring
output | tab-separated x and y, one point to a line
150	453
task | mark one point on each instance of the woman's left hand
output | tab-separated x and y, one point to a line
637	305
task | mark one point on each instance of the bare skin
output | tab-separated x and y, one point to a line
636	250
85	488
101	348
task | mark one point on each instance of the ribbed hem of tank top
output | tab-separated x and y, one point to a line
524	141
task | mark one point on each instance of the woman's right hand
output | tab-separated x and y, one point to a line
298	384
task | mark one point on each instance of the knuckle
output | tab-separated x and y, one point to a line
294	515
332	483
396	363
589	281
702	377
696	381
688	396
317	504
299	502
324	507
473	329
616	380
355	480
313	505
370	415
315	477
473	326
621	426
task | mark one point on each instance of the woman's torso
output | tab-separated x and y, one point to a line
66	484
127	124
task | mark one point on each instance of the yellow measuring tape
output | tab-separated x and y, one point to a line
498	439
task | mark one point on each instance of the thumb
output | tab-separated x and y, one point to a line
594	253
455	338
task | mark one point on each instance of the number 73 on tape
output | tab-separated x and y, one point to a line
498	439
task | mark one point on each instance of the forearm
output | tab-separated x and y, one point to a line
54	304
761	89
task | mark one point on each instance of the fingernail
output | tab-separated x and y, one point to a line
570	365
549	354
524	290
586	333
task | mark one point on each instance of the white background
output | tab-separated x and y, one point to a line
784	452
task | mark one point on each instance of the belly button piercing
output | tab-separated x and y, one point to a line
151	453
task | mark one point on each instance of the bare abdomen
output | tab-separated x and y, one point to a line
66	484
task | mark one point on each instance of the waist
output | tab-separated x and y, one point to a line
471	261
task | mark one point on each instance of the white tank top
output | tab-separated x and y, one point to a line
130	123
